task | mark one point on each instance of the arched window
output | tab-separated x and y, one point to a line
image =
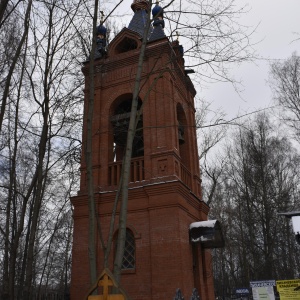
129	251
182	135
120	123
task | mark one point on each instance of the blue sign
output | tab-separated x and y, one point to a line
242	291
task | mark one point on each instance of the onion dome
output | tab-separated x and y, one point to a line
158	16
157	11
140	5
101	30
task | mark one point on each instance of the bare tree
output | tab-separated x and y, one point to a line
211	127
212	35
259	180
39	133
285	82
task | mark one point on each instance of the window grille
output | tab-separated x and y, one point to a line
129	251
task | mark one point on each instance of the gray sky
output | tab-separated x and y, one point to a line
278	27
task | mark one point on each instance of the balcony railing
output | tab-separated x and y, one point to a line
137	172
186	176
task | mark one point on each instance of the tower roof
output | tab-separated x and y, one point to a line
140	5
139	21
157	33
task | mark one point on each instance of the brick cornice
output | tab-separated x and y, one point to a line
145	191
157	49
171	187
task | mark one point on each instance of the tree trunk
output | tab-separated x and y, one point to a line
89	159
14	62
127	158
3	7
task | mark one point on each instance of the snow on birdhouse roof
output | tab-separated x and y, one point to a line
210	223
207	233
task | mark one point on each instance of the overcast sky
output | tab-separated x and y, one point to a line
278	27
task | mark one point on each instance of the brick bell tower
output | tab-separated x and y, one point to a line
165	184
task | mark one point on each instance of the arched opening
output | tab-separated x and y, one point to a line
120	123
128	262
125	45
182	135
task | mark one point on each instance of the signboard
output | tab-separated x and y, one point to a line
262	283
288	289
263	290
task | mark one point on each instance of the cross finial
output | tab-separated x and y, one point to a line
102	16
177	34
105	282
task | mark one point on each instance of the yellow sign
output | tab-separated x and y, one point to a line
288	289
